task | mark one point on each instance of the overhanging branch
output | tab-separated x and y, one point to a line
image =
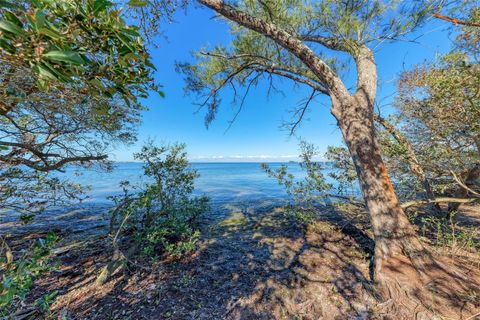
288	41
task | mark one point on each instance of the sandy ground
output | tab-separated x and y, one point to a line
253	262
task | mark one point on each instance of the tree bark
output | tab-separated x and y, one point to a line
394	235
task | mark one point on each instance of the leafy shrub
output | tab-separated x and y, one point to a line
305	192
448	234
18	275
344	172
162	215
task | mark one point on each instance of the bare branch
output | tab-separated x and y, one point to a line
462	184
302	112
437	200
250	83
455	20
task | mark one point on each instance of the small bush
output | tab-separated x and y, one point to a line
306	192
162	215
18	275
448	234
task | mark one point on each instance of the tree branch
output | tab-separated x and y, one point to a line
50	167
455	20
438	200
288	41
271	68
463	185
330	43
302	112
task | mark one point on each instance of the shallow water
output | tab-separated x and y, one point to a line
222	182
244	185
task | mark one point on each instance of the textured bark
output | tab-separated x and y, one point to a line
394	235
455	20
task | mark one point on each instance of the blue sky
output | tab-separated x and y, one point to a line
256	134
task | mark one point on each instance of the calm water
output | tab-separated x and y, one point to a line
222	182
228	185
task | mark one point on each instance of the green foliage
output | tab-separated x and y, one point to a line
448	234
251	57
86	43
305	192
439	113
19	274
71	76
162	215
45	131
45	301
344	172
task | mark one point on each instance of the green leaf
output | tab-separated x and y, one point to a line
138	3
131	31
64	56
101	5
10	16
40	19
7	46
50	33
149	63
10	27
98	84
6	4
126	41
43	72
129	57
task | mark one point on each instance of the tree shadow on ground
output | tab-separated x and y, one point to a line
253	264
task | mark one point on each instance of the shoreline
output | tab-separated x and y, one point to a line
92	218
253	261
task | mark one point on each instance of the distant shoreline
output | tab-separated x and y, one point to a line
234	162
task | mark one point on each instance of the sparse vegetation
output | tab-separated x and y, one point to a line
18	272
161	216
305	192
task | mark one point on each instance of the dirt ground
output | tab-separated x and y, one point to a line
254	263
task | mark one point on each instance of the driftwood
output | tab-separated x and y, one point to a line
438	200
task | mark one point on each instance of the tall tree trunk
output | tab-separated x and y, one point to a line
395	238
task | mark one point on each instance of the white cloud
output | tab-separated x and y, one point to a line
247	158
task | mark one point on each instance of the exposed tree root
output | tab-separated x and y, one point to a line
427	287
